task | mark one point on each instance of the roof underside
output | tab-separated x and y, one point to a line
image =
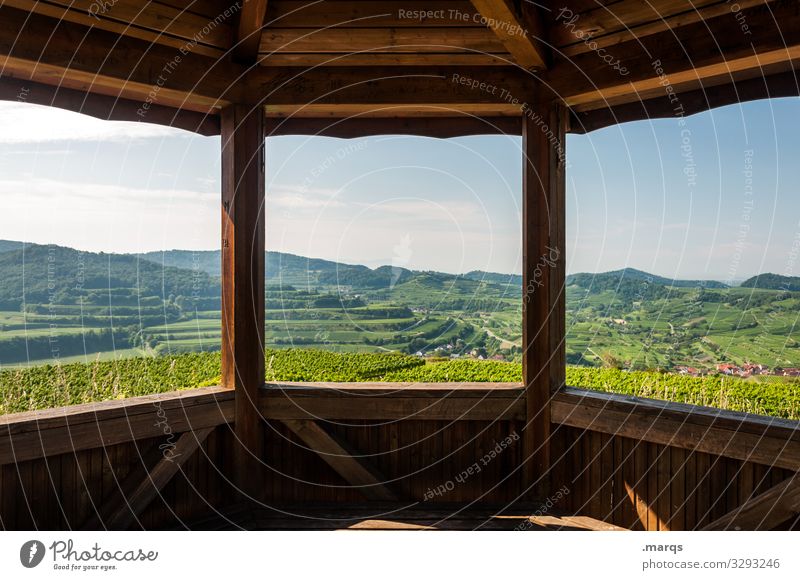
352	67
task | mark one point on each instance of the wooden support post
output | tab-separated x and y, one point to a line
343	459
243	239
543	274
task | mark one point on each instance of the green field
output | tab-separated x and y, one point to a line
52	386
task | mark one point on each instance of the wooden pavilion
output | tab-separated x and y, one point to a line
273	456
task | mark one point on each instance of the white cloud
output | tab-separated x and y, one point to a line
114	218
52	191
25	123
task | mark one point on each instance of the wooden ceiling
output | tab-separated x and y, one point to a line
607	60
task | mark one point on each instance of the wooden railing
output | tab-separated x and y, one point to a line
631	462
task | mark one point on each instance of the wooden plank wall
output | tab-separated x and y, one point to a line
416	458
639	485
647	486
64	491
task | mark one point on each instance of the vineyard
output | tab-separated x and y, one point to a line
54	386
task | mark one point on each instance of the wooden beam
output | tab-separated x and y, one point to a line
106	108
357	471
689	103
249	30
154	482
290	90
763	440
369	58
393	110
35	434
69	55
633	19
158	23
436	127
380	40
765	511
373	14
243	239
701	54
393	401
518	30
543	272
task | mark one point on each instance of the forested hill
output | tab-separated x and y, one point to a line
7	246
290	269
54	274
628	277
773	282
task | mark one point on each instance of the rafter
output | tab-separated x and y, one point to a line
634	19
702	54
158	23
65	54
248	32
519	30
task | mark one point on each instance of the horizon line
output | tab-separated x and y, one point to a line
722	279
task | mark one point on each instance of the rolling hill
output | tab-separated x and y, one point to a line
169	302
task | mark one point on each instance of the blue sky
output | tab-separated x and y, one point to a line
713	198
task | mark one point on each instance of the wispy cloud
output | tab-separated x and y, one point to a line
298	201
283	188
49	191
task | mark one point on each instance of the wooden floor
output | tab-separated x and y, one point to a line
393	517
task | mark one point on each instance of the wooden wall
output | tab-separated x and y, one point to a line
648	486
416	457
66	491
665	477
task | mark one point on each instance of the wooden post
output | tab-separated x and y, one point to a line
543	275
243	240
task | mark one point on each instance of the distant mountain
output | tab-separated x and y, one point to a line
61	275
773	282
196	273
494	277
295	270
207	261
8	246
289	269
608	280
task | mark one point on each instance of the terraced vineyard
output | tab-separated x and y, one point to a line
52	386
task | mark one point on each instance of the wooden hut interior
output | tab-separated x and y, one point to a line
264	455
